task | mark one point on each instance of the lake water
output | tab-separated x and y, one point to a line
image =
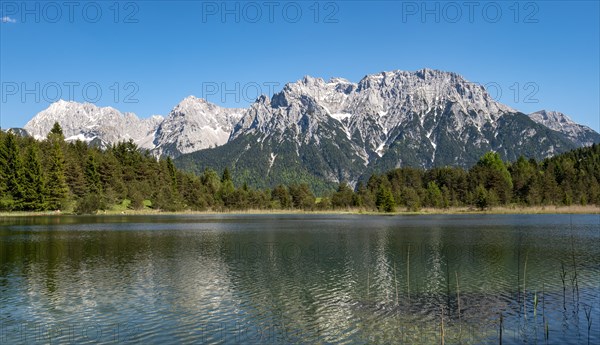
309	279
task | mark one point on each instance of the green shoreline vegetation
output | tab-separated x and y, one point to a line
57	177
573	209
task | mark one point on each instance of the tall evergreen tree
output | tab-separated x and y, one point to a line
343	196
226	175
522	172
281	195
92	176
12	171
226	193
3	163
56	134
493	174
34	185
411	199
385	200
172	172
75	179
211	180
56	187
434	195
481	198
302	196
56	129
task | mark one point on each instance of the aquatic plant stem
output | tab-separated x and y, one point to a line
458	301
524	286
396	282
408	271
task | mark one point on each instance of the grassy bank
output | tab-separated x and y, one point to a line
576	209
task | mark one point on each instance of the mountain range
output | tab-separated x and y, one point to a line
323	132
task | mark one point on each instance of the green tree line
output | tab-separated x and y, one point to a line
71	176
563	180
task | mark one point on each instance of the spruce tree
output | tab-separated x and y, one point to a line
92	176
282	196
411	198
33	181
56	134
211	180
56	129
343	197
385	200
226	175
57	188
226	193
434	195
3	186
493	174
172	171
302	196
481	199
12	172
74	176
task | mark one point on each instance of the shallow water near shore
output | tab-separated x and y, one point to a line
272	279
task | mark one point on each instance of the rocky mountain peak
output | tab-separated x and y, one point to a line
425	117
582	135
195	124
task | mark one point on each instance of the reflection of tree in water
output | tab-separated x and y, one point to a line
217	281
330	294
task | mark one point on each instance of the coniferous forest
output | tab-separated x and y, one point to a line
53	174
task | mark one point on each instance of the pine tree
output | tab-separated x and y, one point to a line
522	173
56	134
226	175
172	171
75	179
57	129
385	200
12	172
482	200
302	196
226	192
57	188
364	197
343	196
111	176
551	191
94	185
34	185
211	180
493	174
434	195
412	199
2	164
282	196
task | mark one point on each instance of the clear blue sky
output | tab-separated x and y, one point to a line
541	55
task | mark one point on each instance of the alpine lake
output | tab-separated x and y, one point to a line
300	279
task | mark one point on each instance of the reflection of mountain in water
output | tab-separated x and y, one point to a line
280	279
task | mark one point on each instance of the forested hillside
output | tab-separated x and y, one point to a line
73	177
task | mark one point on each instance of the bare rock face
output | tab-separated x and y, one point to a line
87	122
194	124
334	130
580	134
338	130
